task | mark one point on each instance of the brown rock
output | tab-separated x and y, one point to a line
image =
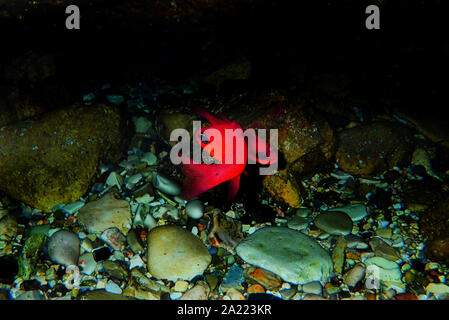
17	106
434	225
239	70
264	277
371	149
169	121
437	249
225	232
200	291
51	159
435	128
300	132
420	195
283	187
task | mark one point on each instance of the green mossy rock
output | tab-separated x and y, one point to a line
29	256
51	159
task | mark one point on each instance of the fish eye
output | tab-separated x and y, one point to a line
204	138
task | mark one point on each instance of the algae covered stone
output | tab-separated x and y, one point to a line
29	256
50	159
294	256
175	253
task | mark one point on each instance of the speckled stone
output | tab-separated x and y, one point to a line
175	253
64	247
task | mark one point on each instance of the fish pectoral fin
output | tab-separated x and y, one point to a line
233	187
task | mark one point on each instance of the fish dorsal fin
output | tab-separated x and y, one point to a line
213	120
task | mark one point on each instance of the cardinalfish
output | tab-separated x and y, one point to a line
225	150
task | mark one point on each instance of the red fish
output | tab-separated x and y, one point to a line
231	163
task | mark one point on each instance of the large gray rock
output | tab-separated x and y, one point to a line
292	255
175	253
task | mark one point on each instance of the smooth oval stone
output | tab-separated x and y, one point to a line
64	248
195	209
313	287
356	211
292	255
175	253
356	242
166	185
298	223
335	222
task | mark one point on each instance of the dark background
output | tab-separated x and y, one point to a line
404	64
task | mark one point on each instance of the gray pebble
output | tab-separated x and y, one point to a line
164	211
298	223
313	287
356	242
195	209
303	212
112	287
356	211
166	185
64	248
88	263
150	158
134	242
73	207
31	295
335	222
